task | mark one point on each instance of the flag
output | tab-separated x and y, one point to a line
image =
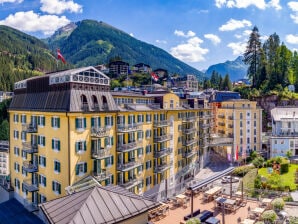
60	56
236	154
154	76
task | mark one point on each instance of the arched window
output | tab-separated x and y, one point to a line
95	102
104	103
84	103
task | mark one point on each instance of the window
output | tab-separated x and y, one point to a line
41	140
17	183
81	168
15	134
81	146
81	124
148	149
57	166
179	127
255	131
16	151
255	115
24	154
148	164
255	140
140	152
16	118
56	144
56	187
148	180
291	144
248	114
140	118
241	116
241	132
140	135
148	118
17	167
109	121
95	122
42	161
41	121
241	141
24	173
148	133
248	140
171	104
42	180
255	123
55	122
240	124
23	119
42	198
23	136
109	141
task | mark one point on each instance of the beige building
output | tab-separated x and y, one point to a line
4	159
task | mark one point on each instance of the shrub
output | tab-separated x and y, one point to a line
284	167
193	221
241	171
269	216
278	204
258	162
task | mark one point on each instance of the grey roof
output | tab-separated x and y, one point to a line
110	204
280	113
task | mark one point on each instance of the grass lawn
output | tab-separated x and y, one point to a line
288	179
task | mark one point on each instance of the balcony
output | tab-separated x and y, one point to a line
161	168
162	138
221	116
189	142
129	127
129	165
100	153
163	152
189	119
84	107
29	186
30	167
100	132
188	153
30	147
29	128
189	130
132	182
129	146
163	123
101	176
221	124
30	205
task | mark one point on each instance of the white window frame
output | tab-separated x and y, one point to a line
42	180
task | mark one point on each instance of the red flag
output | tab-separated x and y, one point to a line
154	76
60	56
236	155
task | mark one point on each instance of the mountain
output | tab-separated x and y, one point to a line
236	69
90	42
22	56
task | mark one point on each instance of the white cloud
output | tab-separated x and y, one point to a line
32	22
233	24
191	51
60	6
260	4
294	7
213	38
131	34
264	38
11	1
292	39
180	33
238	48
161	41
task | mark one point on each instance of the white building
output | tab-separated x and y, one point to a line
4	159
284	131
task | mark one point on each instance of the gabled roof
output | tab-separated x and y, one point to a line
96	205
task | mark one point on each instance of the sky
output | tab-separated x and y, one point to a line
198	32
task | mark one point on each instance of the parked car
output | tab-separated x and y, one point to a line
204	215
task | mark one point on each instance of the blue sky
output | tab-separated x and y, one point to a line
198	32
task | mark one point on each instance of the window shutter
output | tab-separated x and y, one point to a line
77	146
85	123
45	181
59	188
58	167
106	121
112	160
129	119
112	121
45	161
134	118
58	122
142	117
53	143
112	140
85	146
38	140
52	122
59	145
43	121
106	141
99	122
53	185
77	169
44	140
85	167
77	123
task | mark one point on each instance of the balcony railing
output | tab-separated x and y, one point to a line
129	127
101	176
30	167
221	141
189	142
161	168
189	119
30	147
129	146
163	152
189	130
29	186
162	138
29	128
163	123
188	153
129	165
134	181
99	132
100	153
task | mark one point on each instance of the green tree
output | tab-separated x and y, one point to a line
193	221
252	55
4	130
227	84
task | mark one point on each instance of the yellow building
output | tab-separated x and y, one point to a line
68	125
239	127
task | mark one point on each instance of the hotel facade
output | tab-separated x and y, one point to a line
67	126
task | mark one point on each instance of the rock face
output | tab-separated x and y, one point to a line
267	103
